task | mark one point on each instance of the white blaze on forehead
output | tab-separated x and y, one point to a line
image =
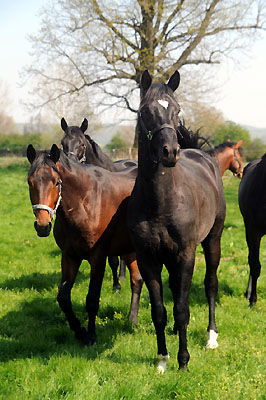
163	103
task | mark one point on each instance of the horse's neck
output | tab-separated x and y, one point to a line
100	160
73	187
156	188
224	160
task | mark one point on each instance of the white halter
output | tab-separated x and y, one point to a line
47	208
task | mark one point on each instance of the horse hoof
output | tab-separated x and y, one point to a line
81	334
212	340
84	337
163	360
89	340
117	288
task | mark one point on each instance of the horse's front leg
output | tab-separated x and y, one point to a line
151	273
180	276
70	267
136	282
93	296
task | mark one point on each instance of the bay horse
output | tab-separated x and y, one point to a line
176	204
252	202
90	204
228	155
81	146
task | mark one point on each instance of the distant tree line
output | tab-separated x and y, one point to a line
120	144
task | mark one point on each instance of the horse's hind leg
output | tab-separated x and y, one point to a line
114	263
122	269
253	241
70	267
136	282
212	250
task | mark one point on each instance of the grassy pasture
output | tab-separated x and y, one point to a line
40	358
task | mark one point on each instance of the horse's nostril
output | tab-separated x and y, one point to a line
165	151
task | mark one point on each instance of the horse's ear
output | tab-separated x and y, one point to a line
64	124
146	80
54	153
31	153
174	81
239	144
84	125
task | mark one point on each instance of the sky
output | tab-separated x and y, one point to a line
242	98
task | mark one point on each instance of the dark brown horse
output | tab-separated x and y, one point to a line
80	146
176	204
252	203
90	224
76	143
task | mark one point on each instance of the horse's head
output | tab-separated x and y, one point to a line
74	141
44	187
236	165
158	120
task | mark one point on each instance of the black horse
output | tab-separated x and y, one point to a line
177	203
252	204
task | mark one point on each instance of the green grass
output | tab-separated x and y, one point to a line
40	358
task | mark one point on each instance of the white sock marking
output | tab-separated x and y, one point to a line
212	340
162	363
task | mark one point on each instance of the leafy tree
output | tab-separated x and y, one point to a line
105	46
15	144
205	118
117	143
231	131
256	149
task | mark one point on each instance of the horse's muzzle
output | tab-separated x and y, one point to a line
43	230
170	155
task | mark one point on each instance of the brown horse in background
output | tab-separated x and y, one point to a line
91	205
228	155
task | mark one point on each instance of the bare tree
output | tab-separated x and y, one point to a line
101	47
7	124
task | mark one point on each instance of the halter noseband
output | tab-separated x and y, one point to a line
236	160
50	210
151	133
83	158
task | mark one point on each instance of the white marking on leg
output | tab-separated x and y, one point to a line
163	103
212	340
162	363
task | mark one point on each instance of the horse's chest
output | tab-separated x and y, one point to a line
159	236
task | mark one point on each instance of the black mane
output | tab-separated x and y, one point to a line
188	139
